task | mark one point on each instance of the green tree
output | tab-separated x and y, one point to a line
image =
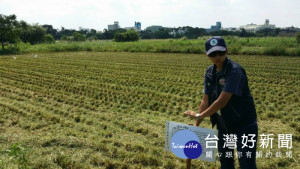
32	33
49	38
298	37
91	35
8	31
110	34
163	33
194	33
120	37
130	35
66	32
65	37
243	33
78	36
52	31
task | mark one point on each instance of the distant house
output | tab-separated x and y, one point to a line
253	27
180	31
136	27
216	27
115	26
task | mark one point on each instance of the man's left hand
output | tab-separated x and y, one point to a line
190	113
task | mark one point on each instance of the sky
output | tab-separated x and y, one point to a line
97	14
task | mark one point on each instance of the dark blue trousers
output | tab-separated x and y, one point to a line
244	160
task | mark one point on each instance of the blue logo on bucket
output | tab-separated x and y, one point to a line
186	144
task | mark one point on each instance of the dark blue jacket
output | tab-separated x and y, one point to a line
240	110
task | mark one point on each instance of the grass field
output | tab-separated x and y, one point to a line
271	46
108	110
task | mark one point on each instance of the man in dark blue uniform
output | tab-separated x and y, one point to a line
228	102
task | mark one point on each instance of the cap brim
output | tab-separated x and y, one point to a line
215	48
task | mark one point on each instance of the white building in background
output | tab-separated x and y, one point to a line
180	31
253	27
137	26
115	26
216	27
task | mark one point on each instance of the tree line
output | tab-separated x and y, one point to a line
13	31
